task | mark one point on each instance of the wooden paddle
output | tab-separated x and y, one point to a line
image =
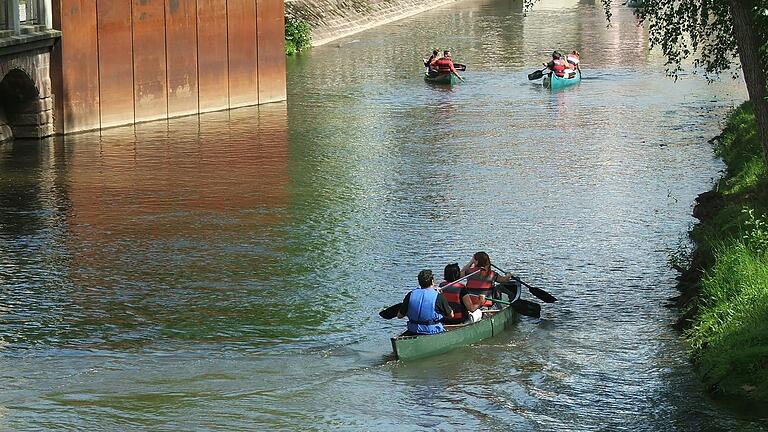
537	292
523	307
392	311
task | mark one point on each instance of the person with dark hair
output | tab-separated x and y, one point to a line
557	65
481	282
425	307
428	63
464	309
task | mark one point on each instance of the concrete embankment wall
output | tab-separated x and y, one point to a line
333	19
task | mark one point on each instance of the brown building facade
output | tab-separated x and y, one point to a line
129	61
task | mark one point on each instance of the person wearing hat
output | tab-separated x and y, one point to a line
425	307
557	64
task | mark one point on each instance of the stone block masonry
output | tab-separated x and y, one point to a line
26	105
334	19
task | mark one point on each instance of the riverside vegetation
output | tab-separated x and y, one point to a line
297	35
725	284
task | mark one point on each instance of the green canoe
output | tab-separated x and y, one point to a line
554	82
420	346
448	78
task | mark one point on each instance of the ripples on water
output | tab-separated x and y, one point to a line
225	272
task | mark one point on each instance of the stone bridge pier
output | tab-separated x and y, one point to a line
26	41
26	102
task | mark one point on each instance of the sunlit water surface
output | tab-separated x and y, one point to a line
225	272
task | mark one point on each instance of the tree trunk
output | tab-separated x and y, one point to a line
749	44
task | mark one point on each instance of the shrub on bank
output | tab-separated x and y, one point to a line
297	35
729	333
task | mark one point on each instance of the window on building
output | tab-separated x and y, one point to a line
28	12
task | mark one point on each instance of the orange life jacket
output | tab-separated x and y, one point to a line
443	65
481	283
559	67
453	295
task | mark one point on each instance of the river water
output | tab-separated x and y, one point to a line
225	272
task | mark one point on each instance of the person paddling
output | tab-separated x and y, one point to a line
445	65
482	281
425	307
557	65
464	309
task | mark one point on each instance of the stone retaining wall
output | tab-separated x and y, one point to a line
333	19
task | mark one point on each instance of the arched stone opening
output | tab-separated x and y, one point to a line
21	115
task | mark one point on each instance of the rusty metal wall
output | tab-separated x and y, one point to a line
181	54
271	50
243	60
126	61
78	109
115	62
149	64
213	66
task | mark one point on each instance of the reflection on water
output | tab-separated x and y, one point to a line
224	271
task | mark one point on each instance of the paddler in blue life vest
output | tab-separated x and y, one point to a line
425	307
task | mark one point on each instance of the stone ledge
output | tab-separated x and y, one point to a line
27	41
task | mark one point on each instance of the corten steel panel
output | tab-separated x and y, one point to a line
271	36
243	74
78	79
181	52
212	65
115	62
149	59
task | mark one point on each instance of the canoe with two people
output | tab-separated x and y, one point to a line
442	69
563	70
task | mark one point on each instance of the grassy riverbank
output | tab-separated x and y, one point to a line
725	287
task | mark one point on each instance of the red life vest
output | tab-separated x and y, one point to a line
481	283
453	295
443	65
559	67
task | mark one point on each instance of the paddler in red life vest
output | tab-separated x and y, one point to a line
444	65
464	309
557	65
425	307
482	282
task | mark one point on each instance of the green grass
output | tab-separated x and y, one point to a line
729	333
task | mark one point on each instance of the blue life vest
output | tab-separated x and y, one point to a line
422	316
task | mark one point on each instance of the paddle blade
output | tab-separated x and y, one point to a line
460	67
536	75
542	295
527	308
390	312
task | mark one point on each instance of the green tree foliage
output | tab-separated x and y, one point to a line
297	35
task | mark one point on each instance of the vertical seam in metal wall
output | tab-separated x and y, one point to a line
133	69
229	74
256	23
165	43
98	63
197	55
